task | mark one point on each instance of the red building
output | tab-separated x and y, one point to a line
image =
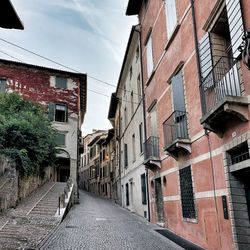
63	94
196	97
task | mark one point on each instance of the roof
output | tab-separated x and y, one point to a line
94	141
133	7
8	16
59	71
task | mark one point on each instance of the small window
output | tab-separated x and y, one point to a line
139	91
239	153
60	113
125	155
143	189
133	147
187	195
171	16
3	84
130	73
141	137
60	139
149	48
127	194
61	82
137	54
132	103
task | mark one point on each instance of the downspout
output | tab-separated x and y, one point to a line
144	119
203	108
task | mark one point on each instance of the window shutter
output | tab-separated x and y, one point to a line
66	113
178	92
205	54
235	25
51	114
2	85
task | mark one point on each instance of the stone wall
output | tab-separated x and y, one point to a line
14	188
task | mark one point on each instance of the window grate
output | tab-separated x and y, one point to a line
187	196
239	153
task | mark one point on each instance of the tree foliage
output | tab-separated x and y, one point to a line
26	135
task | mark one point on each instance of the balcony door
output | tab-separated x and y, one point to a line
179	106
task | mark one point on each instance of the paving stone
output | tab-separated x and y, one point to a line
98	223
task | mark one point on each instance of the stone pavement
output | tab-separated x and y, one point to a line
98	223
31	221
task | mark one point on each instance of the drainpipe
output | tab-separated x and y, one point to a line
203	108
144	118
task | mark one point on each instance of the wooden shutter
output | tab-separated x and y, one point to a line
51	114
235	25
205	54
178	92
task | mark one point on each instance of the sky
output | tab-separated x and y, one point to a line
89	36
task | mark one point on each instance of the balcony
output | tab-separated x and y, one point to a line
222	98
176	137
152	152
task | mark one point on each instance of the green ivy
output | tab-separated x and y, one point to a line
26	134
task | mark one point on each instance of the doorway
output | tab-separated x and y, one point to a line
159	201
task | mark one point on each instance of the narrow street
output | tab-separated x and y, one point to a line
98	223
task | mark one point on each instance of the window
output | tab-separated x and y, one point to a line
187	196
170	8
93	151
61	82
130	72
127	194
3	84
125	118
125	155
60	113
239	153
141	140
143	189
139	91
137	54
103	155
149	49
133	147
132	103
60	139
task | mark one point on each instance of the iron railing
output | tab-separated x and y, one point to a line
175	127
151	146
223	80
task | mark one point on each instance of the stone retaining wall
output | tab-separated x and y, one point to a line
13	188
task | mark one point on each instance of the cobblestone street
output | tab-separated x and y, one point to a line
98	223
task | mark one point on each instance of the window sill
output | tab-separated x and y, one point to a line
172	36
189	220
57	122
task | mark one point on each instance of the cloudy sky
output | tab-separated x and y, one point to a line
89	36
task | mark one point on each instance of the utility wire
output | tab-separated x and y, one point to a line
93	91
62	65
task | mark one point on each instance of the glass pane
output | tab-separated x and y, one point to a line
149	56
61	82
171	16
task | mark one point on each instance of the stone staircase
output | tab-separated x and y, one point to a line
48	204
26	225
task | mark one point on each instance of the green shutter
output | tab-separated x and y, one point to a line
51	114
61	82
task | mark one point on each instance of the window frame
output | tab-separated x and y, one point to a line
171	21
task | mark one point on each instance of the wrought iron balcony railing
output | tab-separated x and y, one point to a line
223	80
151	146
175	127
